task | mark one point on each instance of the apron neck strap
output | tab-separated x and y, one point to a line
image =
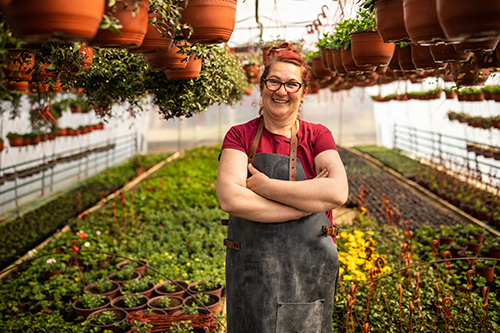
292	171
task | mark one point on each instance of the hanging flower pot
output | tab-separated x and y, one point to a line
471	20
469	74
40	21
19	66
404	59
134	24
422	58
477	46
212	20
350	65
368	49
422	23
447	53
191	71
169	59
337	62
320	71
252	72
153	40
390	21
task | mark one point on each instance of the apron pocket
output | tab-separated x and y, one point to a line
300	317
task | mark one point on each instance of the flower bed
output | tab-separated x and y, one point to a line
22	234
172	223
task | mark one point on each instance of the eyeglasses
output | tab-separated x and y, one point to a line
290	86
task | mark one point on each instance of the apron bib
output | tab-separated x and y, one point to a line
281	277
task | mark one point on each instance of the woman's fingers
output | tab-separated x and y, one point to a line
323	174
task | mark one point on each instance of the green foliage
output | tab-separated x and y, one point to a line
221	80
105	318
90	301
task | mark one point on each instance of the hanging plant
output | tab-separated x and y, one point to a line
221	80
116	76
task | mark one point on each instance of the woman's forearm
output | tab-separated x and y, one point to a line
242	202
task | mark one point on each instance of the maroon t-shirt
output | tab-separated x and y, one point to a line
312	140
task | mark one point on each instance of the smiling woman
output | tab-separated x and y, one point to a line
278	256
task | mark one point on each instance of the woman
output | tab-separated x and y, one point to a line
281	269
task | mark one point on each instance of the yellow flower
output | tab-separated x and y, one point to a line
188	264
196	259
77	279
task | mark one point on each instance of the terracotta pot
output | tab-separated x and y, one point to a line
162	60
19	66
212	20
474	247
252	72
480	46
368	49
494	252
390	21
148	292
447	53
213	305
320	71
119	303
180	288
191	71
153	40
175	304
422	58
2	145
48	19
486	271
134	26
92	288
422	23
468	254
193	288
81	312
141	265
405	59
446	240
113	277
329	60
469	74
465	19
349	64
337	62
120	317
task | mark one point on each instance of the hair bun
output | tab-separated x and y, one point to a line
285	46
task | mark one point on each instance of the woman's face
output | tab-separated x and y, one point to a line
281	104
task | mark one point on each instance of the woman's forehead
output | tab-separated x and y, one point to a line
285	71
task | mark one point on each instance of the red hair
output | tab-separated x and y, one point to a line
284	53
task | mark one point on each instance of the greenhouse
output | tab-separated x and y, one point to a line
250	166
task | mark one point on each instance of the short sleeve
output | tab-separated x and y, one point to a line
234	140
323	140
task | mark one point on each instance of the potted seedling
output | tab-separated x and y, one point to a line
87	303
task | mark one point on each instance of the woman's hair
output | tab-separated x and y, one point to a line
284	53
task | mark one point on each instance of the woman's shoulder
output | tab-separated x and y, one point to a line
249	125
313	128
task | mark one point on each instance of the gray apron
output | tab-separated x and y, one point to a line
280	277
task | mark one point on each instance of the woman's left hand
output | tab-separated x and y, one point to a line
257	181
